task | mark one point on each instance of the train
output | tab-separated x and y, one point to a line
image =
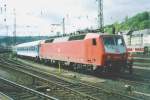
91	51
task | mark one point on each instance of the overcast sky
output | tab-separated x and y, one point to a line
78	13
54	10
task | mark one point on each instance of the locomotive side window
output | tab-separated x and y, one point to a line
93	41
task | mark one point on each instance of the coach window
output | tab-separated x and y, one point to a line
93	41
32	48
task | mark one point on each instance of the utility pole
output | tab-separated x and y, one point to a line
14	32
100	16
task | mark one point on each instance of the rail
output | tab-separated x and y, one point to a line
81	88
36	93
51	80
142	61
6	97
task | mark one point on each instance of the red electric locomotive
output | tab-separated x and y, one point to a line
99	52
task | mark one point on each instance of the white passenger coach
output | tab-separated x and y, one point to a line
30	49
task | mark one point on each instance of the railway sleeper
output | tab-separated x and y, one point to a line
66	85
33	98
97	94
26	96
63	95
42	88
84	89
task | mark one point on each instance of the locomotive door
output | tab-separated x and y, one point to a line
91	51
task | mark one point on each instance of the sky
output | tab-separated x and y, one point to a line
78	14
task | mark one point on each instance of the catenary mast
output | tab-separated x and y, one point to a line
100	16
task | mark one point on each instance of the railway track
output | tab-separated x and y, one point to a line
20	92
89	91
138	84
138	87
135	79
4	97
130	79
51	88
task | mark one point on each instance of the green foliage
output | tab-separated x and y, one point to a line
138	22
145	24
108	30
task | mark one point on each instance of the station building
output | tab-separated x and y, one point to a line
137	41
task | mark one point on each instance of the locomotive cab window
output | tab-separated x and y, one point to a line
119	41
93	41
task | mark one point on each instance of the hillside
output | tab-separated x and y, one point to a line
138	22
10	40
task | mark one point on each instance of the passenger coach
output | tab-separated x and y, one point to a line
30	49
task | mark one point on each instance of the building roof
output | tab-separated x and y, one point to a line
145	31
128	32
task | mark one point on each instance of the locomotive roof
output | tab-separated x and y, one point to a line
33	43
69	38
63	39
75	37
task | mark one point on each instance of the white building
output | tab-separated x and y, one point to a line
137	41
141	37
